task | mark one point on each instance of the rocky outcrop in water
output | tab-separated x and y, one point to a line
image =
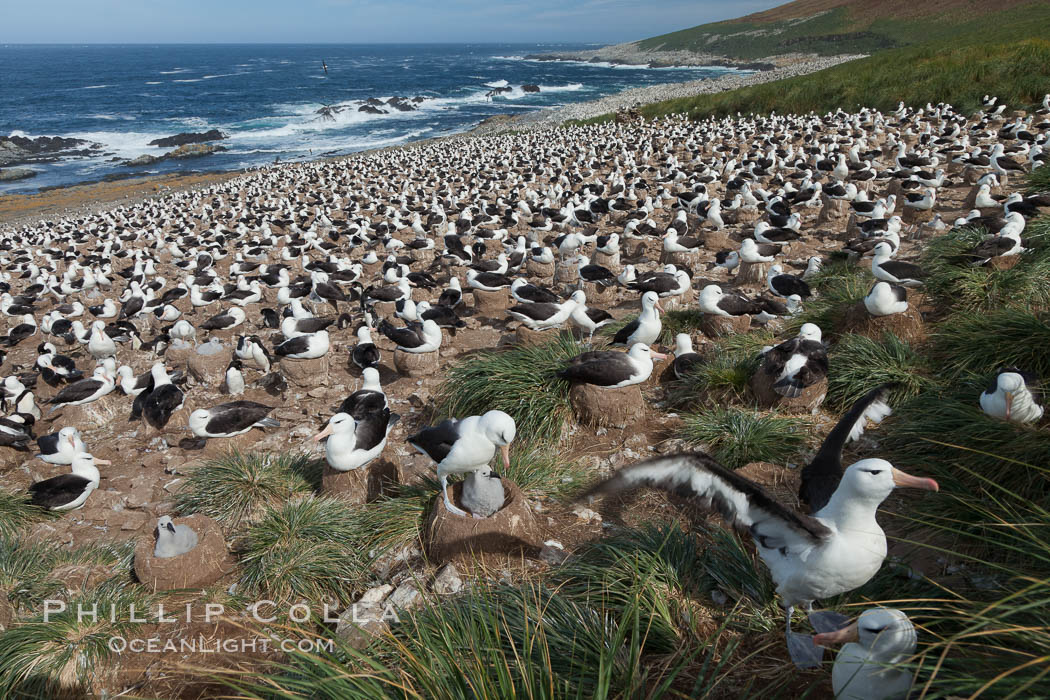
194	150
373	105
530	88
22	150
188	138
11	174
145	159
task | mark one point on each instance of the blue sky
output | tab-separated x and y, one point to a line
357	21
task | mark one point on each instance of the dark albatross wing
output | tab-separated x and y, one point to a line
607	369
235	416
77	391
535	311
161	403
701	479
48	444
737	305
408	337
293	346
436	441
903	270
371	430
57	491
362	403
624	333
820	478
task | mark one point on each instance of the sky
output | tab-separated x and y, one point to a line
358	21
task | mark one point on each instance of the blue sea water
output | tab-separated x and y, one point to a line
266	97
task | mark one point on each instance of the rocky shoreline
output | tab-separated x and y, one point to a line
632	54
635	97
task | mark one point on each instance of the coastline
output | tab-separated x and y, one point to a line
81	198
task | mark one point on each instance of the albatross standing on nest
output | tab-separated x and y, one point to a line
461	446
837	549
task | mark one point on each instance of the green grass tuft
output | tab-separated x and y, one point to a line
956	283
521	382
946	435
1038	181
16	513
65	655
679	321
858	364
31	572
304	550
980	343
736	436
837	287
725	371
235	489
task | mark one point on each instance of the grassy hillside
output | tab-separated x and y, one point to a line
830	27
1009	58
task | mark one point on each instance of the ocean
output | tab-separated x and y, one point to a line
266	97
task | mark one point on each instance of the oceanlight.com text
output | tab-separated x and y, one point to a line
201	645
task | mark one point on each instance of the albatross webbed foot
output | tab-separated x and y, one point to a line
827	621
803	651
451	508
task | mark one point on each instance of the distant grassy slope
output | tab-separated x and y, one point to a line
1009	58
829	27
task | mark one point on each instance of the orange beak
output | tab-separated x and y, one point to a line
660	308
657	355
323	434
505	450
850	633
103	462
1009	404
908	481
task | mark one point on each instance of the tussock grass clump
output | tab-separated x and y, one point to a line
979	343
16	513
733	567
956	283
945	434
494	641
530	640
1038	180
679	321
838	286
66	655
543	473
235	489
303	549
520	381
31	572
989	635
725	371
736	436
859	364
391	523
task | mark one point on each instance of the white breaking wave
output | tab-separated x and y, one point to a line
497	84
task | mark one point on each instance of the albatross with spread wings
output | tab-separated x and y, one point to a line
811	557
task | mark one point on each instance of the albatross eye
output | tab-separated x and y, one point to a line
875	472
